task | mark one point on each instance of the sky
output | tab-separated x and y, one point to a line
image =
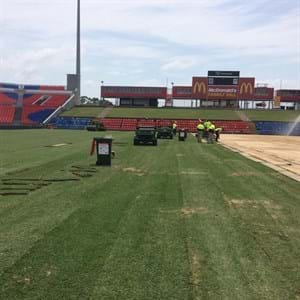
149	42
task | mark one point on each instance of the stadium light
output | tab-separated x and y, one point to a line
78	60
102	82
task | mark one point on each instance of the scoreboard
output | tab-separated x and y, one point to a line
223	78
223	81
223	74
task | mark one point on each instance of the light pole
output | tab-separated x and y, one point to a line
172	83
102	90
78	60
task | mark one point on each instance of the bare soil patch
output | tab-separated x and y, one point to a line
189	211
281	153
59	145
195	267
240	173
192	173
138	172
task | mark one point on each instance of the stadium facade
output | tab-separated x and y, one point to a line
219	89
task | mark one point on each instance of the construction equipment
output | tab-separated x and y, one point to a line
96	125
145	135
165	132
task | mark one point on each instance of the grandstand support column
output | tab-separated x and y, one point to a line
78	57
19	105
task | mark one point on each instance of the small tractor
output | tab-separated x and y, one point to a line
165	132
95	125
145	135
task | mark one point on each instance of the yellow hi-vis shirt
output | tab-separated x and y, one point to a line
212	127
207	124
200	126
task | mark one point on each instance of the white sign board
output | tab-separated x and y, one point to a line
103	149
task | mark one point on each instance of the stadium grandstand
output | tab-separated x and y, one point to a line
31	105
219	89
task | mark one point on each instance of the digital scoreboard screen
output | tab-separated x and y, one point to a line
223	74
223	81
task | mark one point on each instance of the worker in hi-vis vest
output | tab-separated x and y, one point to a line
174	126
200	131
211	133
217	133
207	124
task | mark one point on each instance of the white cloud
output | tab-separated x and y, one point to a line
279	83
28	65
150	82
37	38
179	63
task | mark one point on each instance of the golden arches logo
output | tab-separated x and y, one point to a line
244	88
199	88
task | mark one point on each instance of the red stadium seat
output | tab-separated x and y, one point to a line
7	114
130	124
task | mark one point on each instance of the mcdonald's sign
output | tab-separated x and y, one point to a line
246	88
199	88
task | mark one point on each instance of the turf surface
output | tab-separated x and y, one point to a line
176	221
272	115
179	113
184	113
83	112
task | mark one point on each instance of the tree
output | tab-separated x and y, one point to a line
85	100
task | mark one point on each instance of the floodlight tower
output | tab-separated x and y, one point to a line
78	60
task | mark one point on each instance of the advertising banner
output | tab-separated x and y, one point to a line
222	92
263	93
289	95
182	92
133	92
246	89
199	88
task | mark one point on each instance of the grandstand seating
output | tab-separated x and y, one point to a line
8	98
36	107
129	124
276	128
42	99
72	122
35	114
56	100
112	124
7	114
30	99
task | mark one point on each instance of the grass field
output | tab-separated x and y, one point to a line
272	115
181	113
83	112
184	113
177	221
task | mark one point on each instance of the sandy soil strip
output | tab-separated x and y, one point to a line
281	153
